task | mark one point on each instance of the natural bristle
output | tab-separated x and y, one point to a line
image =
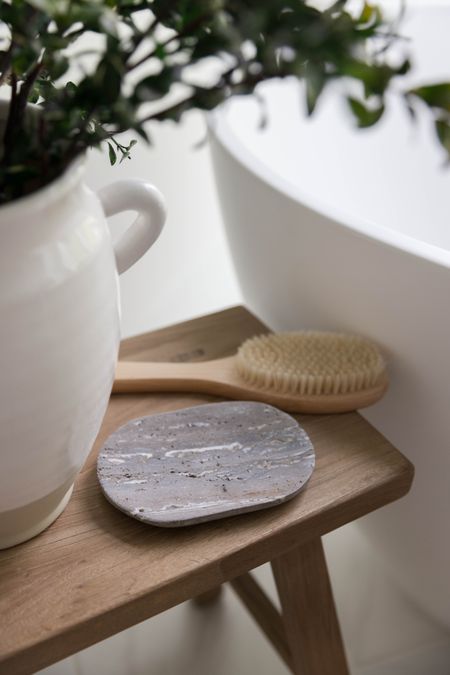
310	363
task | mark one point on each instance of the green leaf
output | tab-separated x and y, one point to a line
434	95
370	15
315	82
112	154
156	86
337	6
71	88
108	79
143	133
443	133
366	117
58	67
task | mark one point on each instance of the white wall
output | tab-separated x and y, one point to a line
188	271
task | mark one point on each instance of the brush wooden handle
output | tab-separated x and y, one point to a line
220	378
208	377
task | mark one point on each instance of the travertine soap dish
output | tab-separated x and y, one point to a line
203	463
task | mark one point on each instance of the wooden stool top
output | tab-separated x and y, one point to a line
95	572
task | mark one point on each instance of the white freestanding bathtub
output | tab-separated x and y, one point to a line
335	228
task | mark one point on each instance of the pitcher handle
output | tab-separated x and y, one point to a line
134	195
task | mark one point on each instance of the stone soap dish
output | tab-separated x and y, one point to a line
204	463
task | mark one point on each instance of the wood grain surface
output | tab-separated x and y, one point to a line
309	615
95	571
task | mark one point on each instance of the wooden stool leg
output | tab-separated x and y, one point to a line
209	597
309	615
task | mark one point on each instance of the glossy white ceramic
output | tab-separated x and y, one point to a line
59	335
333	228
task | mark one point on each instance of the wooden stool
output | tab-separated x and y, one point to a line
95	572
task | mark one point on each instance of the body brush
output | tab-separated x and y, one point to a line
304	371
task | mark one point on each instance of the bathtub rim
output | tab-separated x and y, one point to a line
222	133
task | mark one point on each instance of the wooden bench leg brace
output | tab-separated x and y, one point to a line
307	634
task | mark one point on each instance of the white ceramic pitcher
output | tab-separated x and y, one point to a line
59	335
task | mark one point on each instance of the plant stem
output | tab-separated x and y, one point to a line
5	64
17	110
73	148
187	30
10	122
27	86
248	81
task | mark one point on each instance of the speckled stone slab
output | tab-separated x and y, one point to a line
204	463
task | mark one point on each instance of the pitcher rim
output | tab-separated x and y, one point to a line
47	194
